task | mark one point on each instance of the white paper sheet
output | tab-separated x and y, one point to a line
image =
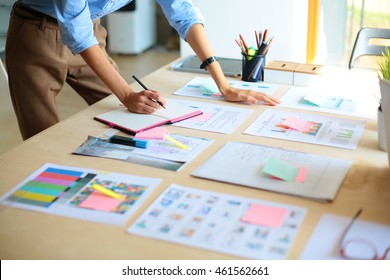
215	118
214	221
328	131
363	105
243	164
205	88
323	243
63	190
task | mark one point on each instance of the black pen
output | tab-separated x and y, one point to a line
145	88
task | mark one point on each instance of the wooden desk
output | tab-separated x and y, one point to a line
30	235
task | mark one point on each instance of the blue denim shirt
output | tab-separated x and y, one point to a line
75	18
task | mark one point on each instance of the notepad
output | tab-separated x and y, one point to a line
134	123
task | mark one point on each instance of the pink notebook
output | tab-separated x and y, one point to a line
133	122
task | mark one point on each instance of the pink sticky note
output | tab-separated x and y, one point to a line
264	215
203	117
301	175
297	124
101	202
156	133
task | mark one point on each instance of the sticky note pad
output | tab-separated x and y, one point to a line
283	170
156	133
297	124
100	202
264	215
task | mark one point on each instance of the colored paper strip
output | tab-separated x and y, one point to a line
64	172
38	184
59	176
34	196
54	181
41	190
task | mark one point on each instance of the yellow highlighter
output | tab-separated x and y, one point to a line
177	143
108	192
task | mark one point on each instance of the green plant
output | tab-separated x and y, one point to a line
384	65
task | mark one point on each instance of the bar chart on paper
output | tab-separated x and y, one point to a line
68	191
308	128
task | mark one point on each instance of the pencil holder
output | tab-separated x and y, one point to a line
253	67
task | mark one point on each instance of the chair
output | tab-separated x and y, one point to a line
362	44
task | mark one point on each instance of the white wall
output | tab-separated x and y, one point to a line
285	19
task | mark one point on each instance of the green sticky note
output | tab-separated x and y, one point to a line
209	86
281	169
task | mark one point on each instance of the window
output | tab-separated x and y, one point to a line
338	24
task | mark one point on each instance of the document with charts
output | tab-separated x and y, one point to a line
215	117
67	191
355	103
319	129
206	88
239	226
262	167
159	154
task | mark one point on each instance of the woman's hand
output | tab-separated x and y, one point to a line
143	102
249	96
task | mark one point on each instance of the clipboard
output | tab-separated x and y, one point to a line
230	66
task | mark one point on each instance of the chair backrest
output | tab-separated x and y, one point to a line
362	44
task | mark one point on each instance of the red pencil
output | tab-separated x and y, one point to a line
265	35
244	44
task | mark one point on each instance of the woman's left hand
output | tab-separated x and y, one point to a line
249	96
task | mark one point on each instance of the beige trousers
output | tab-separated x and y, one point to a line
38	65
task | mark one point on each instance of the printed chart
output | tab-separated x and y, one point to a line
206	88
67	191
159	154
215	118
358	104
308	128
249	228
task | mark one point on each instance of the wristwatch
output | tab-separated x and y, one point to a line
207	62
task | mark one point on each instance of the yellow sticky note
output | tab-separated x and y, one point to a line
108	192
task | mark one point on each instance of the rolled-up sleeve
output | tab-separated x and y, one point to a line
74	19
181	15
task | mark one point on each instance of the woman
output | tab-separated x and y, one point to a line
50	42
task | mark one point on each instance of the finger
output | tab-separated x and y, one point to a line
151	94
271	101
156	97
149	108
266	98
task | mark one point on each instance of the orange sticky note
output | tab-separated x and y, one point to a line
264	215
